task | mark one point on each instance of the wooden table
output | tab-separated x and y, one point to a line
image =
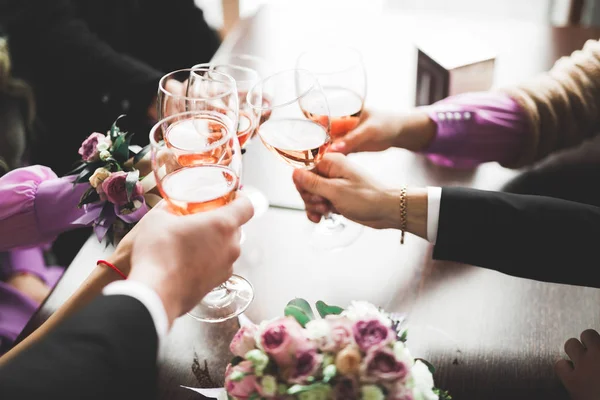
491	336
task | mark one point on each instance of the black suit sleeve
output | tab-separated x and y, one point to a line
106	351
534	237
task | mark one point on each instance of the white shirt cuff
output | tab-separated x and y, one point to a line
147	297
434	198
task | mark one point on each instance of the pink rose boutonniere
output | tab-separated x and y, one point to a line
115	194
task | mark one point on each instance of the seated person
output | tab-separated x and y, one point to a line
109	348
539	124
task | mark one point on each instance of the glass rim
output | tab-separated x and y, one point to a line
181	116
163	80
358	60
239	67
315	83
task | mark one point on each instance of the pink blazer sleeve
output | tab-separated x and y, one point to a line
36	205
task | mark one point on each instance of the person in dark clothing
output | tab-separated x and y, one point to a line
89	61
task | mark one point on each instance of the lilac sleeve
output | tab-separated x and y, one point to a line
35	206
473	128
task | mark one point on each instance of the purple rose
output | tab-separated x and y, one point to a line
307	363
88	149
381	364
282	339
372	333
345	389
243	341
114	189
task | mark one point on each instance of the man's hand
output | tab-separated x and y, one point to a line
182	258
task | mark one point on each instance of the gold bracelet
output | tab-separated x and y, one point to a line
403	221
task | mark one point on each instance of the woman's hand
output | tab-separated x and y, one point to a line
380	131
336	185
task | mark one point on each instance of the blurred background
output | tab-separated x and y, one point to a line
222	14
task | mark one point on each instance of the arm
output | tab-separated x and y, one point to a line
108	350
36	206
534	237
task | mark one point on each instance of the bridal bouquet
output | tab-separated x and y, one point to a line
357	353
116	199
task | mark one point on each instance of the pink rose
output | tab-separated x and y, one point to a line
88	149
282	339
307	363
114	188
244	387
243	341
381	364
372	333
341	334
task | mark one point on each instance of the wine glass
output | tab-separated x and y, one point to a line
192	89
197	166
246	70
341	73
298	137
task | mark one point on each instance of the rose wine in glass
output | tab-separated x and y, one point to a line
301	143
197	165
245	71
341	72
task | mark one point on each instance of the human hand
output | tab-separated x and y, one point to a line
580	374
182	258
335	185
30	285
379	131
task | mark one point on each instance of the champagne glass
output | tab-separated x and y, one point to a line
341	73
197	166
300	139
245	77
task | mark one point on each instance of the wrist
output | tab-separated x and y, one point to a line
417	131
161	285
416	210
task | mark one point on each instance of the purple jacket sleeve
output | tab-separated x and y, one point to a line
473	128
35	206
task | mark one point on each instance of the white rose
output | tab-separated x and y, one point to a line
319	331
105	155
361	310
423	382
402	354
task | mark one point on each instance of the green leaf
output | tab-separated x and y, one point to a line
324	309
141	154
297	389
298	314
304	306
83	176
442	394
130	182
121	148
403	336
114	129
77	169
89	196
429	365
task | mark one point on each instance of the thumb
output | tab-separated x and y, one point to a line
308	181
352	141
240	210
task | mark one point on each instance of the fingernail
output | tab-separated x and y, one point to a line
339	146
